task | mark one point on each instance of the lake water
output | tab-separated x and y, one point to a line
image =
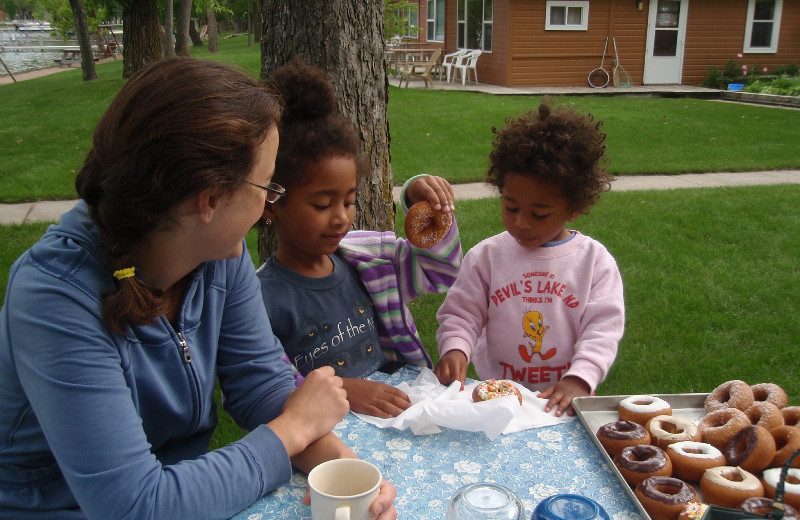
21	61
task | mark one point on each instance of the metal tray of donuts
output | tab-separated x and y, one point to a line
595	411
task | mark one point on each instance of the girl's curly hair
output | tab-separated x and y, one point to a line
312	128
555	145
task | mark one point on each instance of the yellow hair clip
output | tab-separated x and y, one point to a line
125	273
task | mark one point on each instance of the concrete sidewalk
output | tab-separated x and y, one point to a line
50	211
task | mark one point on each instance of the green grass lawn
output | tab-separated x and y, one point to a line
710	275
48	124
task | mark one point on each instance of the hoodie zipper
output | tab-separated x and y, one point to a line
187	356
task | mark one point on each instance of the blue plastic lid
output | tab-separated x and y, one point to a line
569	507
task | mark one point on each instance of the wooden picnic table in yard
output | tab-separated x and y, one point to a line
70	55
401	56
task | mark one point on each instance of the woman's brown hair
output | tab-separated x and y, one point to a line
177	127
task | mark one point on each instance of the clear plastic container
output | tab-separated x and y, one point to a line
485	501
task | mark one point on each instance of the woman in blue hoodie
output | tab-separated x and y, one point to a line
118	323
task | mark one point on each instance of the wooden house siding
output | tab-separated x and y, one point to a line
565	58
525	54
714	36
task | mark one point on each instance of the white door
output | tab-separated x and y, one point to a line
666	30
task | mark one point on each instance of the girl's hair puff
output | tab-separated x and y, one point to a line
555	145
177	127
311	128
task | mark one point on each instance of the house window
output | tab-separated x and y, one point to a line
410	20
436	20
566	16
475	23
763	25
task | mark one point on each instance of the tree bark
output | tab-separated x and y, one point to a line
82	28
345	38
249	23
169	29
194	34
140	37
182	47
212	31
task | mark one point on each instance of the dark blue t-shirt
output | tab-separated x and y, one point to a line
323	321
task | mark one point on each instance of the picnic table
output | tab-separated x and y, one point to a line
70	55
427	470
399	57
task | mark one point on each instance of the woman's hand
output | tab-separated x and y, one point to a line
383	505
374	398
560	395
311	410
436	190
452	367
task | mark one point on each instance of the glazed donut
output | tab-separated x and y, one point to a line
691	459
718	427
752	449
636	463
642	408
770	393
762	506
494	388
787	441
693	511
791	416
618	435
425	226
664	497
729	486
666	429
766	414
731	394
791	488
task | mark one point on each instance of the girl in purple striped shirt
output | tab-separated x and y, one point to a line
334	296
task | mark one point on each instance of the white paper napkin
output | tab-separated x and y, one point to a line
434	405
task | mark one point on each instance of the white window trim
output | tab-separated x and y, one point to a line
432	18
776	29
462	22
566	27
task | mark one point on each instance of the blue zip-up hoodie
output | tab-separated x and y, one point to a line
99	425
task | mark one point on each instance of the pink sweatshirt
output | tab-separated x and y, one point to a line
546	312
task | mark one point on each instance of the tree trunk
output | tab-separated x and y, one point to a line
249	23
182	39
140	37
82	28
344	38
169	29
194	34
212	31
257	27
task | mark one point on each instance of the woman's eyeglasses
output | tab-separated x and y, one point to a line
274	191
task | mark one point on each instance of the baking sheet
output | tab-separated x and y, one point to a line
595	411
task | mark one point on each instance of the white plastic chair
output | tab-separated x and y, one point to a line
451	60
469	63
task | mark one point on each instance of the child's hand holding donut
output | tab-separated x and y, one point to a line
436	190
430	215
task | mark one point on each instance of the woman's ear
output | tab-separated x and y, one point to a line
206	203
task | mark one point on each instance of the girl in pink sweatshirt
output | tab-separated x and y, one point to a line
538	304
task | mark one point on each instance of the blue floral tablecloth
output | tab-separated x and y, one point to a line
428	470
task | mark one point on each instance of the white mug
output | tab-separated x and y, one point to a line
343	489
